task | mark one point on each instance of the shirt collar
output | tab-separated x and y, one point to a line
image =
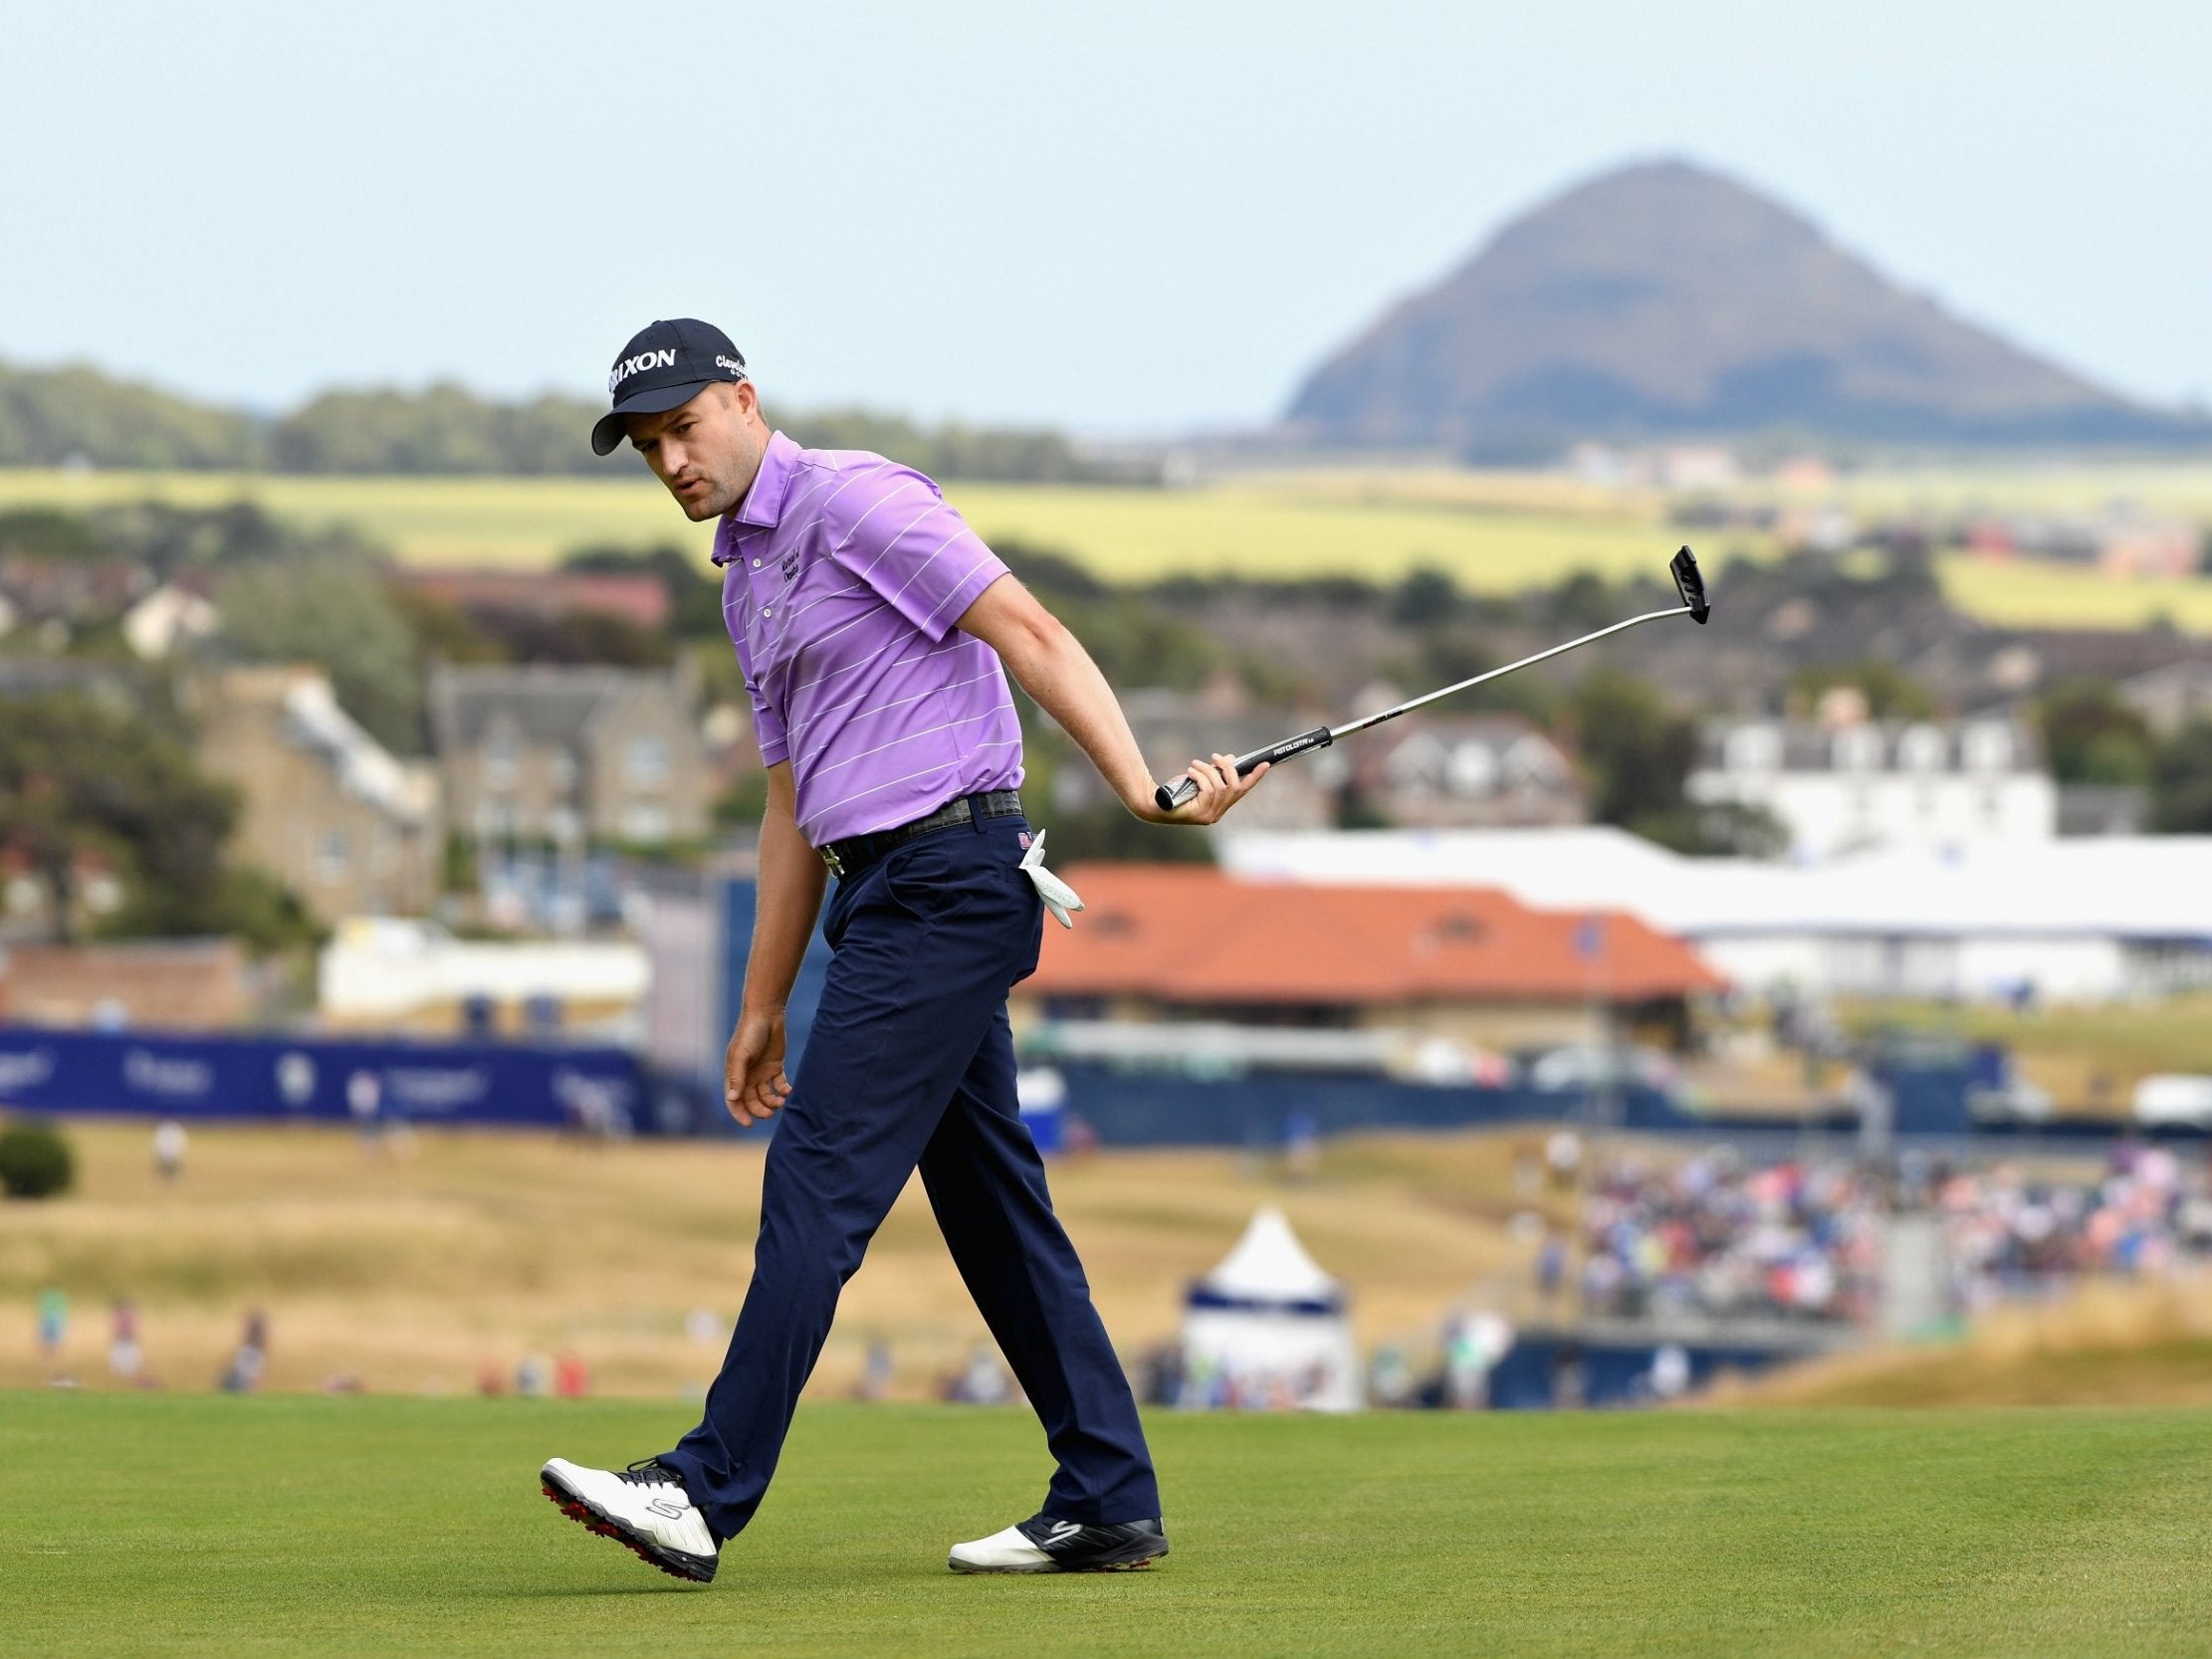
763	502
763	505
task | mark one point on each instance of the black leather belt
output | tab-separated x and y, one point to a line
857	852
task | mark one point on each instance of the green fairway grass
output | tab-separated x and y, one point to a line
189	1525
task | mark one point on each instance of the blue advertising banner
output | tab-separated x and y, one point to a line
155	1074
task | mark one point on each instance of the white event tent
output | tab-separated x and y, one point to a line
1269	1328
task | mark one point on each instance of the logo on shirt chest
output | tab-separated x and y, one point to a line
790	564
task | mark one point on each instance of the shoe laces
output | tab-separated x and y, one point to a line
649	1471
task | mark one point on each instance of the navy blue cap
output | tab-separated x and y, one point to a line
663	368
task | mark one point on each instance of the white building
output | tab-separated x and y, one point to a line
388	971
1866	784
2085	921
154	625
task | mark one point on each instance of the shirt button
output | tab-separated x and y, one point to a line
767	610
756	565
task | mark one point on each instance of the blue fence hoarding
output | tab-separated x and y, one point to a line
1141	1108
158	1075
740	905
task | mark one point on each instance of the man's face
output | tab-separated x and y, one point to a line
705	451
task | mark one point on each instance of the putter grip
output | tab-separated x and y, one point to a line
1172	795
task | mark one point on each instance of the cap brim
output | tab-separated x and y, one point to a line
609	430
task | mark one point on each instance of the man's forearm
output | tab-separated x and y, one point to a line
1052	666
789	900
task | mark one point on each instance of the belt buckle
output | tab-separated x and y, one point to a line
837	864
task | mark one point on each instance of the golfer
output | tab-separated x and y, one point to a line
875	631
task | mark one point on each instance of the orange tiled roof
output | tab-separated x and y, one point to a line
1190	933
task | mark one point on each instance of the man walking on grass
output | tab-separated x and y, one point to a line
875	631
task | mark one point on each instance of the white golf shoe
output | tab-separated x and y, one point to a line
1043	1544
643	1507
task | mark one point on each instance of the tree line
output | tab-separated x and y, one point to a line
78	415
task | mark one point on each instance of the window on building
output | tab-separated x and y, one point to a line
1753	748
1475	769
1988	748
646	761
503	754
1858	749
645	823
1416	765
334	857
1532	762
1920	749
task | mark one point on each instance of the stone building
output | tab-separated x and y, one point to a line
565	754
326	809
1172	727
1467	771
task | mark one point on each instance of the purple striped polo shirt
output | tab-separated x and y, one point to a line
843	574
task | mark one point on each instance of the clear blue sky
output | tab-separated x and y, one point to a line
1142	217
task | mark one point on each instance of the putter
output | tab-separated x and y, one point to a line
1687	582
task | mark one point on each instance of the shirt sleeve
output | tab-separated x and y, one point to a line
896	532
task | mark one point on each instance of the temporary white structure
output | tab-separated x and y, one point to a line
2088	919
1268	1327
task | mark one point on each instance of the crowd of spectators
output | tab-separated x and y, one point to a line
2009	1235
1717	1238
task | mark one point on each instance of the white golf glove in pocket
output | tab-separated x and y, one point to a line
1058	897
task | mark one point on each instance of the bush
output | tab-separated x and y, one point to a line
35	1160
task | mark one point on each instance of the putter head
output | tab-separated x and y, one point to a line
1690	585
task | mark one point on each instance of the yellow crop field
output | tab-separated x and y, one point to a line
1495	539
1494	532
1288	528
514	521
2030	596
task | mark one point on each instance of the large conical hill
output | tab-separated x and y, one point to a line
1664	299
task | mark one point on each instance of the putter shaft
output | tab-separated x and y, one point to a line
1687	582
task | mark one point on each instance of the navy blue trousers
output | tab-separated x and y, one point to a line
911	1064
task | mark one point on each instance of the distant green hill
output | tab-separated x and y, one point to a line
1662	298
63	416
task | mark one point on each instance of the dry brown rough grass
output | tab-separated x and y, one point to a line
415	1272
2108	1344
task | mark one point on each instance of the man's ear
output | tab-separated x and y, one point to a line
748	399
